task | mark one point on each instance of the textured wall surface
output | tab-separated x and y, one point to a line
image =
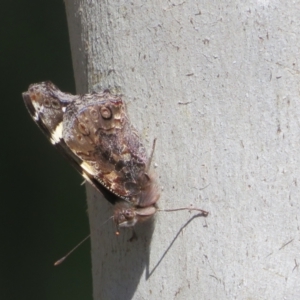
217	83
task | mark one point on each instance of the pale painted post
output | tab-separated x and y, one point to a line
217	83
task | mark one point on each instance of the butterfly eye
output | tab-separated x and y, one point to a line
129	214
47	102
55	104
105	113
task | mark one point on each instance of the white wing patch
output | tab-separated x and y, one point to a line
57	134
88	168
38	109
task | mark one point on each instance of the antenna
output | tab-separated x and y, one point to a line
204	212
61	260
151	156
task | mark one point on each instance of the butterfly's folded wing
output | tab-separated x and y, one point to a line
47	109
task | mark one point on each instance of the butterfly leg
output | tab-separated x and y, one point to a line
151	156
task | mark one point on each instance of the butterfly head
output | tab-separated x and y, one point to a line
126	215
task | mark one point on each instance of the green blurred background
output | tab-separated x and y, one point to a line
43	208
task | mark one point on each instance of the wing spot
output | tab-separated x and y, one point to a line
55	104
83	129
47	102
94	114
105	112
79	137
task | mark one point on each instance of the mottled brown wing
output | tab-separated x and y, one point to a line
100	134
46	105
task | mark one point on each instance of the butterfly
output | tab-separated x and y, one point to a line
94	134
